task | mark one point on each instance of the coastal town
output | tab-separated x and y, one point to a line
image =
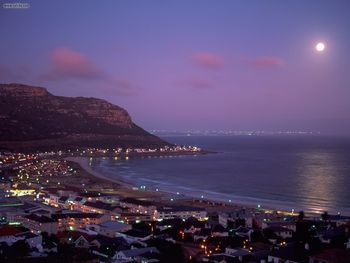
54	208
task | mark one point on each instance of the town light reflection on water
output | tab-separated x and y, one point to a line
318	182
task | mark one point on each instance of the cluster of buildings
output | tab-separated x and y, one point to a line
88	221
41	217
136	230
130	151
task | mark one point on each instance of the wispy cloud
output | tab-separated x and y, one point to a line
267	62
67	63
208	60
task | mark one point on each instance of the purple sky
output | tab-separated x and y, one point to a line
197	64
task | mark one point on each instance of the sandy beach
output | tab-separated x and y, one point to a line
84	163
112	185
128	190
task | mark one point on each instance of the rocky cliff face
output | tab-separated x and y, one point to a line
32	117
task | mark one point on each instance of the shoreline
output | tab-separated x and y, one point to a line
208	195
84	164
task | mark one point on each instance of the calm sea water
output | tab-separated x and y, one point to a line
310	173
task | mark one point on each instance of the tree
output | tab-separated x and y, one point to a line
169	252
325	216
239	222
302	232
257	236
301	216
19	249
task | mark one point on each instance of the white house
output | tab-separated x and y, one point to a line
137	254
111	228
183	212
134	236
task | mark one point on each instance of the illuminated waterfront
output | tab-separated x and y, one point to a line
310	173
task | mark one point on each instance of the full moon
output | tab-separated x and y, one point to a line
320	47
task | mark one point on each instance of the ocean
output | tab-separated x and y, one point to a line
310	173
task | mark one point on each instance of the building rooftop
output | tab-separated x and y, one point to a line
26	235
279	229
100	205
9	231
76	215
179	208
74	235
139	251
63	199
291	252
40	219
114	225
135	201
137	233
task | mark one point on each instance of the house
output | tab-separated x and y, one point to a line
143	255
63	202
347	244
111	228
78	239
231	217
69	191
289	254
339	220
77	202
111	199
281	231
168	223
33	240
82	242
117	242
72	221
192	225
49	247
332	234
50	196
134	217
39	224
334	255
139	206
220	258
210	223
243	232
219	231
11	209
203	234
238	252
231	255
287	224
10	235
134	235
101	208
191	230
40	209
5	185
183	212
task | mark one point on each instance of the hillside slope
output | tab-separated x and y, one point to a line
33	118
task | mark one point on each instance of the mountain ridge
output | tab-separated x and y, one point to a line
32	115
